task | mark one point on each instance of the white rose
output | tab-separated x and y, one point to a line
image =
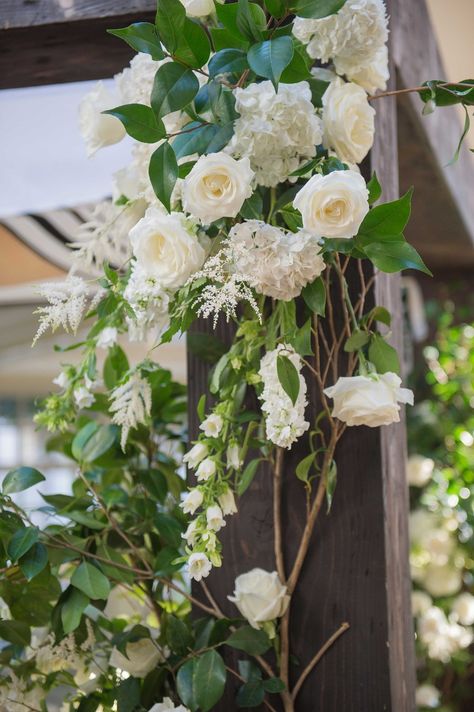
227	502
217	187
260	596
107	337
197	453
333	205
165	249
191	501
83	398
348	121
442	580
198	8
427	696
463	608
419	470
199	566
98	129
420	603
142	657
212	425
214	517
206	469
369	400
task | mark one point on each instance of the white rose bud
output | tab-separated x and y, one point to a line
83	398
98	129
419	470
198	8
260	596
348	121
369	400
197	453
333	205
192	500
217	187
142	657
463	608
199	566
206	469
215	519
227	502
212	425
420	603
107	337
427	696
165	249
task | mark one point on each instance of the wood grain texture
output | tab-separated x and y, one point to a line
30	13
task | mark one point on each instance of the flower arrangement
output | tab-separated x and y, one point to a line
243	195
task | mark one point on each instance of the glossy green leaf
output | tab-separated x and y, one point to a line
178	635
140	122
15	632
246	22
72	609
314	295
356	341
298	69
115	366
194	47
316	9
251	694
383	356
170	19
209	680
100	442
169	528
174	87
163	172
394	256
88	579
250	640
268	59
142	37
387	218
374	188
252	207
274	685
247	476
301	341
288	377
228	61
21	542
34	561
198	138
276	8
222	38
184	683
304	466
21	479
128	695
251	22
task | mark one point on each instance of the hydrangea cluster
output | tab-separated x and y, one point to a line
277	131
284	420
354	39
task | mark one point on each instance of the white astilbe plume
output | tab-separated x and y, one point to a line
130	404
68	301
284	421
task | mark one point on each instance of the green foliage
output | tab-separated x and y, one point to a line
250	640
140	122
163	172
288	377
142	37
316	9
314	295
174	87
270	58
22	478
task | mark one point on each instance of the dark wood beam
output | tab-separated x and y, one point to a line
31	13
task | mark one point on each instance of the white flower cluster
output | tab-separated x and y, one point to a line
150	303
17	696
354	39
442	636
167	705
277	131
68	301
130	404
284	421
419	470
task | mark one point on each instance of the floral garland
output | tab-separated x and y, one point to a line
242	195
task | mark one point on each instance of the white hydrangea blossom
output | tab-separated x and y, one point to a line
354	39
130	404
442	637
284	421
149	302
275	262
278	132
68	301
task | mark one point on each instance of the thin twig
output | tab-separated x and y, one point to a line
342	629
277	524
412	90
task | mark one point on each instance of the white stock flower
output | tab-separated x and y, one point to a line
192	500
165	249
348	121
353	38
463	608
98	129
217	187
276	131
212	425
419	470
427	696
214	517
420	602
227	502
275	262
130	404
206	469
199	566
260	596
107	337
83	398
197	453
284	421
369	400
444	580
167	706
333	205
142	657
198	8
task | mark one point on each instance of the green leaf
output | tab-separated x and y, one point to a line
288	377
331	480
178	635
388	218
268	59
251	694
184	683
21	479
194	47
247	476
316	9
34	561
115	366
201	139
301	341
228	61
163	172
86	519
379	314
222	38
169	528
140	122
209	680
447	96
15	632
72	609
142	37
318	88
252	207
314	295
383	356
356	341
128	695
276	8
297	70
467	125
21	542
174	87
246	22
91	581
374	188
304	466
250	640
274	685
100	442
252	19
170	19
394	256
